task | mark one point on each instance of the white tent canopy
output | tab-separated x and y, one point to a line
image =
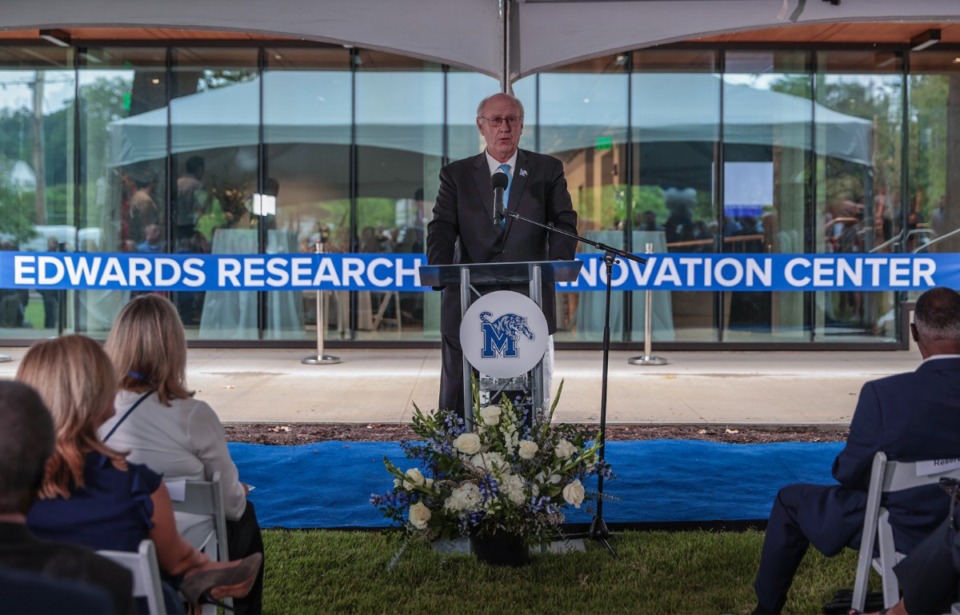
227	117
471	33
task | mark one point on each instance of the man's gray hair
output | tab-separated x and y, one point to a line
937	315
515	100
26	442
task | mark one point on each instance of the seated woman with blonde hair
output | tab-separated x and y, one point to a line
164	427
92	496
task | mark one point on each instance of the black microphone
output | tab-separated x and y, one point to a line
500	181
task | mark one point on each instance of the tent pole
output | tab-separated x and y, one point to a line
505	46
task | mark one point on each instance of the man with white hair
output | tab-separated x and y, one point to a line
464	230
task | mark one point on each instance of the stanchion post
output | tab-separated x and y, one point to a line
320	358
648	358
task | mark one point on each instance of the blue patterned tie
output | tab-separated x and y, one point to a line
506	193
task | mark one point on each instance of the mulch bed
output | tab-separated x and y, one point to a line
305	433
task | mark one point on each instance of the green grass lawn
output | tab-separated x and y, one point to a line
318	571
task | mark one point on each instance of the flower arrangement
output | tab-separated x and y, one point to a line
511	477
232	202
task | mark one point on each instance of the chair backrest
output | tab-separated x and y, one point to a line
202	497
889	477
146	574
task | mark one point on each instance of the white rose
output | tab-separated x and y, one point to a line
464	497
414	478
573	493
419	516
490	415
565	449
512	485
528	449
468	443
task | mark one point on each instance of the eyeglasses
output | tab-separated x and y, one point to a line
498	120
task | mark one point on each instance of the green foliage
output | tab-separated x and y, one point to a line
376	212
650	198
17	213
655	572
222	78
929	139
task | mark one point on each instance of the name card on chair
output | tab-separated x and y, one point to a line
936	466
177	489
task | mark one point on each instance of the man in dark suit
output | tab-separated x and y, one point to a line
911	417
463	229
929	577
26	442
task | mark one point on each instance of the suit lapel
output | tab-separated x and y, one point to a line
517	185
481	177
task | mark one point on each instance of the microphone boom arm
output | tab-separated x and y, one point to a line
596	244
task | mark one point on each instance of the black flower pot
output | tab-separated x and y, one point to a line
501	549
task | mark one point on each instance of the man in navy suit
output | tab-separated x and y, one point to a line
464	229
910	417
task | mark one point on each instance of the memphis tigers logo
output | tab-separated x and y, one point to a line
501	336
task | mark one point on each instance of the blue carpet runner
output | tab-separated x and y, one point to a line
328	484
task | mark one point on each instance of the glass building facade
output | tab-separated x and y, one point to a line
266	148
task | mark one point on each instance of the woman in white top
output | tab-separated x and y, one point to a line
169	431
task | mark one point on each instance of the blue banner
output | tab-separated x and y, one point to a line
398	272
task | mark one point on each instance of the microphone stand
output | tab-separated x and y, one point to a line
598	527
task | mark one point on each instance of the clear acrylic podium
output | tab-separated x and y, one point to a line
474	279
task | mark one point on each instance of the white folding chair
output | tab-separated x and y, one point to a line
202	497
146	574
888	477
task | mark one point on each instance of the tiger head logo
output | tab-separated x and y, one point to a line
501	336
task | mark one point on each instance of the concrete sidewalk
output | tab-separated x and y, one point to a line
768	388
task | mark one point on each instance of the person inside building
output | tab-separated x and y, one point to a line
910	417
189	185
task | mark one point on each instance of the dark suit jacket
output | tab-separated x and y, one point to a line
910	417
20	550
462	230
29	592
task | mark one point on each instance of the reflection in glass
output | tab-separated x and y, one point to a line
767	139
36	177
399	154
583	122
307	106
214	137
934	155
676	130
167	150
123	182
859	208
